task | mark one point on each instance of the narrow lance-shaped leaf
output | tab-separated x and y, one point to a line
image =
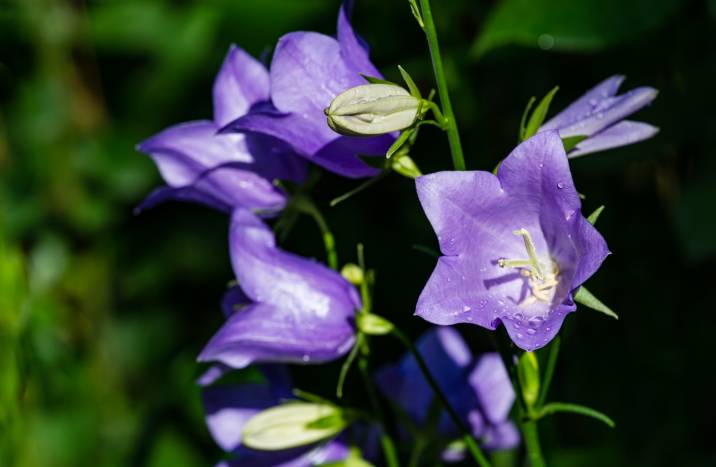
595	215
414	91
539	114
585	297
557	407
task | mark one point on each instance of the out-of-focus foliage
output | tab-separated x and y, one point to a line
102	313
570	25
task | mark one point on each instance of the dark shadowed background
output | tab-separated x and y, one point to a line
102	313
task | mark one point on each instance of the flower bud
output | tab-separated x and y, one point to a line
291	425
405	166
528	374
352	273
372	109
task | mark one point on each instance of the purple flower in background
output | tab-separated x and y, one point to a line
229	408
599	115
307	71
516	246
225	171
479	389
292	309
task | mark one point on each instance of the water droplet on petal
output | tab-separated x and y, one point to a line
531	332
519	335
306	358
560	185
466	308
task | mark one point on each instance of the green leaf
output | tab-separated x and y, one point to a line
585	297
570	142
416	13
539	114
374	325
292	425
570	25
414	91
523	120
374	80
595	215
402	139
557	407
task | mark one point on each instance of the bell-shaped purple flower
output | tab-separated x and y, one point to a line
308	70
479	389
516	246
599	115
225	171
229	408
292	309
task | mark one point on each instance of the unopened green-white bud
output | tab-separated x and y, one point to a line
373	109
528	374
291	425
352	273
405	166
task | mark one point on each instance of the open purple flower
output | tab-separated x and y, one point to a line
599	115
225	171
307	71
516	246
478	389
292	309
229	408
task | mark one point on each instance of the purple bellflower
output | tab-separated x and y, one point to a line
599	115
478	389
516	246
308	71
292	309
229	408
225	171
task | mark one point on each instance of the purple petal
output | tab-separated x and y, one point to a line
537	171
213	374
592	249
584	106
234	299
305	309
493	387
623	133
502	436
610	111
242	82
182	152
186	194
339	154
332	451
307	72
353	49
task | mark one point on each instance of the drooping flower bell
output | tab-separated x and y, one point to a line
308	71
225	171
230	407
515	246
599	116
292	309
479	389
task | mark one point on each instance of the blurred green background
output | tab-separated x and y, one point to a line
102	312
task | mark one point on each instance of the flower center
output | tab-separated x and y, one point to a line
542	282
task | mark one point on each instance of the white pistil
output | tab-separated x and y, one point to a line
540	283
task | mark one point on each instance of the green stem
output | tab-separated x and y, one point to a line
528	426
458	160
549	371
470	442
389	451
305	205
531	438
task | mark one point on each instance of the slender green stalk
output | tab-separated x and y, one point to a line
549	371
305	205
531	438
389	451
458	160
527	426
470	442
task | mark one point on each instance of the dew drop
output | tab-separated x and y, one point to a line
593	102
483	303
306	358
531	332
560	185
515	325
549	329
519	335
541	166
466	308
519	316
